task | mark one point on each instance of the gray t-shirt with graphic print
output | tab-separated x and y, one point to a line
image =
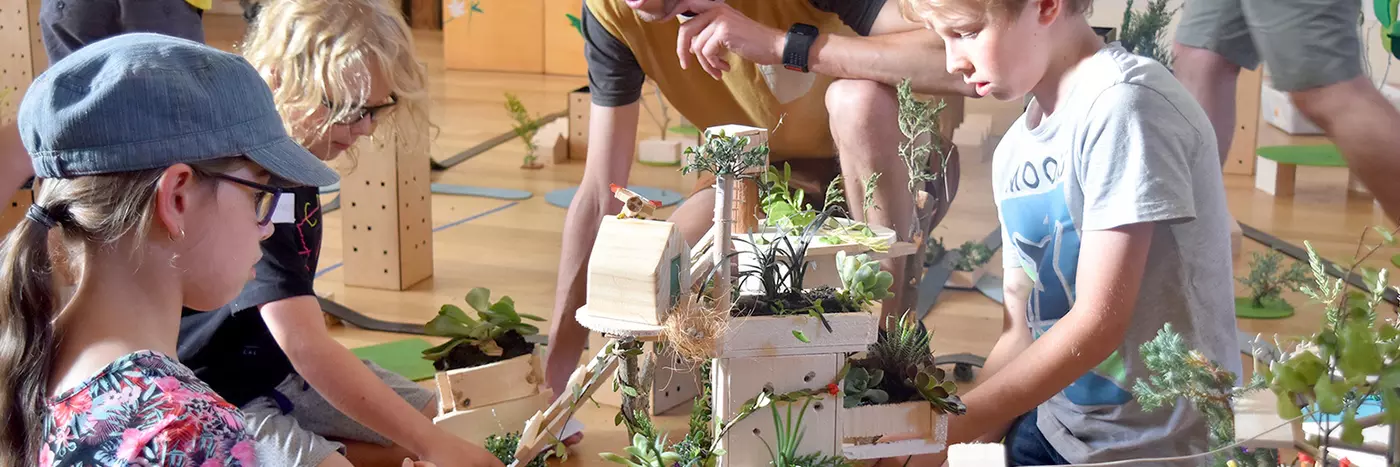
1128	145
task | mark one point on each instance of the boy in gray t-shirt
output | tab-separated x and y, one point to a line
1114	223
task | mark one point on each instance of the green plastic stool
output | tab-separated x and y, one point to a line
1276	168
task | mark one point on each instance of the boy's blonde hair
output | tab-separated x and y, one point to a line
977	11
310	50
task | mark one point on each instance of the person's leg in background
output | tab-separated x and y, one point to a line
1213	42
1313	50
865	126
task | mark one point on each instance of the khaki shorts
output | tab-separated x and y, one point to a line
297	427
1305	43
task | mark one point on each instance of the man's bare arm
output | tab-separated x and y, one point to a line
612	137
895	49
1015	334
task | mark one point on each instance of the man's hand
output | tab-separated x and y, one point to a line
719	29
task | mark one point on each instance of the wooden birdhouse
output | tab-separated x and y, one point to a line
638	271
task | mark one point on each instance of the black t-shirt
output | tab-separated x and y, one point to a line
231	348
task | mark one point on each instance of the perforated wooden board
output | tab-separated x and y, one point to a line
1240	159
387	208
579	103
736	380
14	210
18	27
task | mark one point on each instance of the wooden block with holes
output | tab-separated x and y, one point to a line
674	383
472	31
579	102
736	380
388	211
24	57
14	211
1240	159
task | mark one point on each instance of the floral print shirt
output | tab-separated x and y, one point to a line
144	409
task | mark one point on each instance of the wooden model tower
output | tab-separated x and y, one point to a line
388	211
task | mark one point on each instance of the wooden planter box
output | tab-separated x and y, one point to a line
877	431
766	336
821	257
965	279
497	398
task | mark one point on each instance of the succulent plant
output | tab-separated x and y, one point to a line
645	453
862	278
937	389
860	387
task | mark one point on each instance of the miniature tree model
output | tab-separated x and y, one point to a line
1144	33
1182	373
726	157
525	127
1266	281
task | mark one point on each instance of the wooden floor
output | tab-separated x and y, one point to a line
512	247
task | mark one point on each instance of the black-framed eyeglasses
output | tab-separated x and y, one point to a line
264	200
359	113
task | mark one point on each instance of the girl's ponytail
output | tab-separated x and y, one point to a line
27	305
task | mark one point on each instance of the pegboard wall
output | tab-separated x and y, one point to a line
387	208
23	56
14	210
1240	159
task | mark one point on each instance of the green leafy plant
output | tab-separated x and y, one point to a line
862	280
525	127
1144	33
860	387
496	320
1351	359
781	266
503	447
783	208
972	255
1179	372
1267	279
789	432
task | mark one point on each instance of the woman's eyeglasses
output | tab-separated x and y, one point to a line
264	199
359	113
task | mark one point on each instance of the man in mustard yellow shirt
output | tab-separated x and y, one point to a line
710	70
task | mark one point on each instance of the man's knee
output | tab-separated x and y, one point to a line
851	101
1324	104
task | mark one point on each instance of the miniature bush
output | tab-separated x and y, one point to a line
1267	279
525	127
971	256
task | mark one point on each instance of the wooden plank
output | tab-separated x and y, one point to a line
1240	159
509	379
415	206
895	422
739	379
1275	178
773	335
474	425
977	455
563	44
474	31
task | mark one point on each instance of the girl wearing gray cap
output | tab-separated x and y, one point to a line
155	157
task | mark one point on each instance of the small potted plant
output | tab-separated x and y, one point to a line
783	315
894	397
1266	281
970	265
488	376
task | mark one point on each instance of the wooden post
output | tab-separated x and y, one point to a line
19	27
579	102
1240	159
388	244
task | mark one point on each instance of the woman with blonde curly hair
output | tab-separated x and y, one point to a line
336	70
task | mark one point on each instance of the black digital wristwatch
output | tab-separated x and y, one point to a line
799	43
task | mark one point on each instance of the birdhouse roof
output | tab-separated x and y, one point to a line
632	242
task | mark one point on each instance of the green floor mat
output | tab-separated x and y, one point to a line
404	357
1245	309
1317	155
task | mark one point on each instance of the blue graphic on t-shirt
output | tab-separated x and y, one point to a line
1044	239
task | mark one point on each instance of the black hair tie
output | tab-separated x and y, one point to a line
41	215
